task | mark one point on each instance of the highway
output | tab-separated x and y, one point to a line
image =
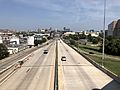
37	73
76	73
13	58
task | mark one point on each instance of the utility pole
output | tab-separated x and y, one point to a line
103	56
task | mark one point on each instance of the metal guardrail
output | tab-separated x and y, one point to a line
103	69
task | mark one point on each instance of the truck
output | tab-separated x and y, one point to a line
30	41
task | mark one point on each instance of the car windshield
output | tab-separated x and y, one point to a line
63	57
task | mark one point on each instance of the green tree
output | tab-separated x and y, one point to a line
112	46
3	51
72	42
90	38
36	42
74	37
82	36
95	41
44	40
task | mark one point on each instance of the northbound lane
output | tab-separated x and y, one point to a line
37	73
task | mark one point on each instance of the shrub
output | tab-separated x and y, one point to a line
3	51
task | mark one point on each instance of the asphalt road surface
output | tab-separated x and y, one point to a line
76	73
35	74
13	58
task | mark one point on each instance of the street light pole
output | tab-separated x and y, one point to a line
103	56
78	43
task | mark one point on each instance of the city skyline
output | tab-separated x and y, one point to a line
75	14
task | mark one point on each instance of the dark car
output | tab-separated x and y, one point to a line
96	89
63	58
20	62
45	51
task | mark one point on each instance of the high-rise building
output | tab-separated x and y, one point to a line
66	29
111	28
116	32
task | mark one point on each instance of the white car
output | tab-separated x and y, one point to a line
63	58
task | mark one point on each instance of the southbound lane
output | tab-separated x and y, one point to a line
35	74
77	73
13	58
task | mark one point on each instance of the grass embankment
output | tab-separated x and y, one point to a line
109	63
88	48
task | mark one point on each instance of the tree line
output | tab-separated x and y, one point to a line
43	40
94	40
112	45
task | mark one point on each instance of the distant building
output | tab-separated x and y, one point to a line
86	33
116	32
92	30
38	37
50	28
52	34
43	30
21	35
111	28
68	33
6	32
1	41
81	32
94	34
14	48
45	34
6	35
15	40
66	29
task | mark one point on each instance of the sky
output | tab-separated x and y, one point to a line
75	14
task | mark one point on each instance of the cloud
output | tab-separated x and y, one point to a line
92	8
76	11
44	4
74	7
